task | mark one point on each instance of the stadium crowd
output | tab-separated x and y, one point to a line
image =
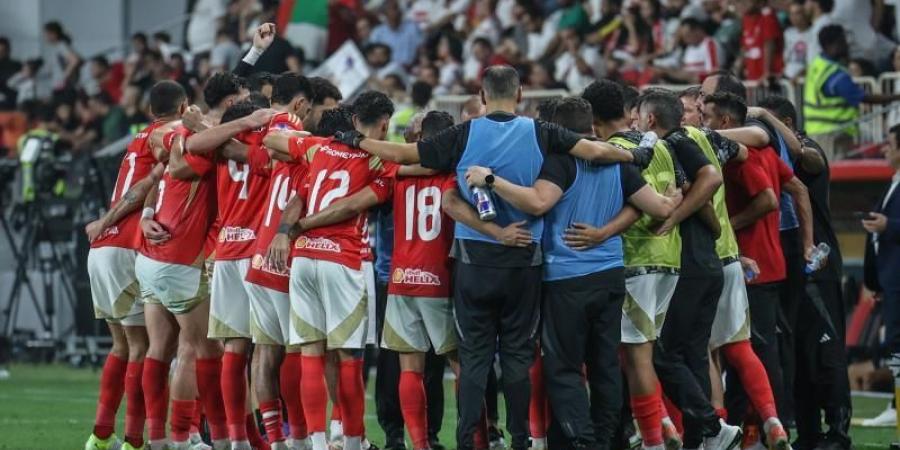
609	254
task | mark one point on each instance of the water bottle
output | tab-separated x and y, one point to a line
818	258
483	203
648	140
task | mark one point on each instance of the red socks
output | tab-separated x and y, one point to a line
537	407
271	416
180	422
645	409
670	410
253	436
753	375
135	415
209	386
112	389
234	393
413	406
314	396
336	408
156	399
352	396
290	376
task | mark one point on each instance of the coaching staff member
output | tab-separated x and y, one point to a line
496	292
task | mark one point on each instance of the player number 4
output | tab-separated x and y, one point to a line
239	175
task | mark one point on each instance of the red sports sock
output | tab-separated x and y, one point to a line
197	417
209	386
336	408
412	404
313	392
156	398
271	416
753	375
722	413
537	407
112	388
180	422
352	397
135	415
670	410
253	436
645	409
234	394
480	438
290	378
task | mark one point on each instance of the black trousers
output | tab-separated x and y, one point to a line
387	380
582	319
681	355
492	304
821	383
764	310
792	293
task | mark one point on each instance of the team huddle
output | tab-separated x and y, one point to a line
630	238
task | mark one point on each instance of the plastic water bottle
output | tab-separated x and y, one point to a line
648	140
484	203
818	258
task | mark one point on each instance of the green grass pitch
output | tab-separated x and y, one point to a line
52	407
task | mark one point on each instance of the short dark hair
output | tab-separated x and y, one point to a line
895	130
831	34
166	97
421	94
575	114
500	82
730	83
434	122
692	23
257	80
692	93
162	36
781	106
481	40
546	109
825	5
38	111
4	41
374	46
323	89
288	86
139	36
606	100
729	104
239	109
219	86
334	120
665	106
258	99
630	95
101	61
371	106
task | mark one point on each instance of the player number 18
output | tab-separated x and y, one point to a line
428	220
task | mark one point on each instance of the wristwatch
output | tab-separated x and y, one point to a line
489	180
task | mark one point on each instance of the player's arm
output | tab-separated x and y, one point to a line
152	230
657	206
705	180
279	143
157	141
582	236
341	210
762	203
131	200
535	200
513	235
600	152
178	167
749	136
707	215
726	149
209	139
795	147
288	230
401	153
415	170
800	194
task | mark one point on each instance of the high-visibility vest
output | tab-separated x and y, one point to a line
821	113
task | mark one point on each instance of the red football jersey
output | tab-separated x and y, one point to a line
136	165
423	235
240	192
335	172
186	209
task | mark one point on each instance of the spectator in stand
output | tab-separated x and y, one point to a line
579	65
341	23
113	123
138	47
379	58
203	25
8	68
429	74
431	15
225	55
262	82
401	35
831	99
857	18
762	41
105	78
608	31
484	24
573	15
420	96
178	71
135	114
819	12
64	61
860	67
699	57
25	83
539	76
652	16
480	56
538	33
449	53
693	109
162	42
796	41
363	31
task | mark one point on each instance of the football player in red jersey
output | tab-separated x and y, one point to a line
173	281
328	292
115	239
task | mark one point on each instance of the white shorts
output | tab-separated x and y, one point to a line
732	322
114	286
416	324
646	302
229	312
328	303
176	286
270	315
369	273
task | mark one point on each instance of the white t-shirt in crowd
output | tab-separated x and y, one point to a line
567	71
796	49
201	31
702	58
814	49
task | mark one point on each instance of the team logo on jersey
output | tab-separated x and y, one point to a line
236	234
319	243
111	231
259	263
415	276
343	154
